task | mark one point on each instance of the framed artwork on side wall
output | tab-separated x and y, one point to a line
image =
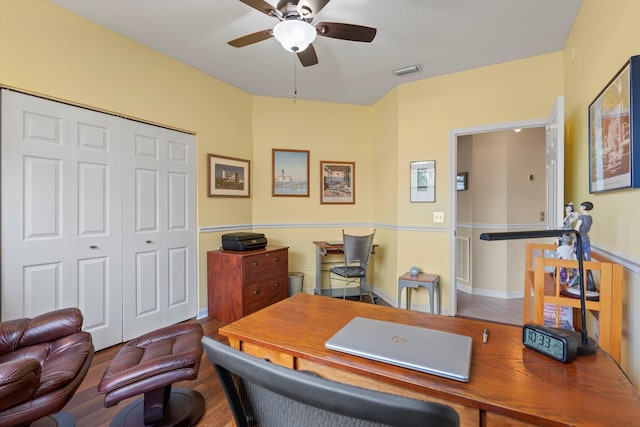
338	181
228	176
614	124
423	181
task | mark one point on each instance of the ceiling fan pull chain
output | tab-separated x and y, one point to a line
295	79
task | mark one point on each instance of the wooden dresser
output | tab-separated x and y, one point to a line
239	283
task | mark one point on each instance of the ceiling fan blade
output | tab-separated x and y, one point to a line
262	6
310	8
308	56
251	38
357	33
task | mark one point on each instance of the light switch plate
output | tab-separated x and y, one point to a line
438	217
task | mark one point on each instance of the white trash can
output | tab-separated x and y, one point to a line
295	282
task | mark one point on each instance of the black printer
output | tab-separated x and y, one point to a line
243	241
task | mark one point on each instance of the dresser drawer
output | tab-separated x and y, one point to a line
261	294
265	265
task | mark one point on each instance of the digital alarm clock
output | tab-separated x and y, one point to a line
556	343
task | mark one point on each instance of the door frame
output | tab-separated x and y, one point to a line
453	202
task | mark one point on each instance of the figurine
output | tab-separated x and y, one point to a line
570	216
582	226
565	250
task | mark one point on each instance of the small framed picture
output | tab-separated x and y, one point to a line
338	181
423	181
290	173
228	176
461	181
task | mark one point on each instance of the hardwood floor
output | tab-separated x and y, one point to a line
87	404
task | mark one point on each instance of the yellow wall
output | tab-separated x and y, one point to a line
604	36
386	197
428	111
49	51
330	132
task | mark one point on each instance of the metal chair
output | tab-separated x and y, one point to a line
264	394
357	250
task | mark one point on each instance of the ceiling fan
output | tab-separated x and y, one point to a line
295	31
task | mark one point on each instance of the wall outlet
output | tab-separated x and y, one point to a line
438	217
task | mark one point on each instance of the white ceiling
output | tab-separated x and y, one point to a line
441	36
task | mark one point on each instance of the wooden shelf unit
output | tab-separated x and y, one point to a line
544	280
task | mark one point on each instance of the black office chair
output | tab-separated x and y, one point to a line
263	394
357	250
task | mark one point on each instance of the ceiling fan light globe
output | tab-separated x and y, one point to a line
294	35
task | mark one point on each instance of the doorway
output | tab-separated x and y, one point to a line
457	165
506	190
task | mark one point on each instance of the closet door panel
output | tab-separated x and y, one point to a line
95	218
61	207
35	239
178	203
147	284
178	277
42	287
162	222
43	205
146	199
181	226
93	291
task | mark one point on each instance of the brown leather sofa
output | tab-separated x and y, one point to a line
43	360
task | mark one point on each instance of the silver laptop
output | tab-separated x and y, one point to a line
435	352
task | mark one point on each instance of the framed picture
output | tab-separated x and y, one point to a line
461	181
338	181
423	181
614	123
290	173
228	176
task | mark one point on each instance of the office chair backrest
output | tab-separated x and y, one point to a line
357	248
263	394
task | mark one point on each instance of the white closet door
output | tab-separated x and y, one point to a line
61	213
159	228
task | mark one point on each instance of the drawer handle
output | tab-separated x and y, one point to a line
266	359
93	247
255	263
256	291
276	284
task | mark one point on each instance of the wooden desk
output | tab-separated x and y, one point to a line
509	384
324	249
